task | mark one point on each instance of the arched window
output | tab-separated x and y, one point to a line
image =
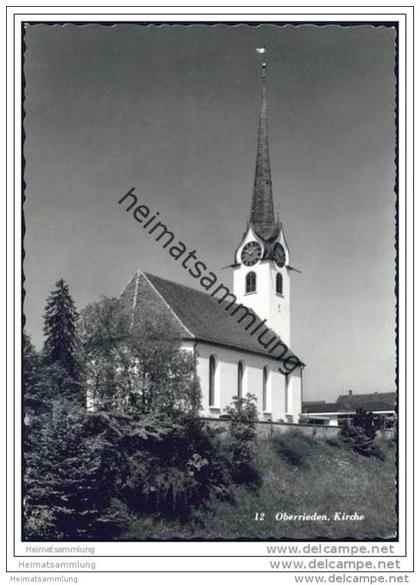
240	378
251	282
265	381
212	380
279	284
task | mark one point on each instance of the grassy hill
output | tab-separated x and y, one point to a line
300	476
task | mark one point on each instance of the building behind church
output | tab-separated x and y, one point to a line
380	404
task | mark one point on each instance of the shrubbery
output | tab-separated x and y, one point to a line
90	473
68	476
171	465
242	446
361	432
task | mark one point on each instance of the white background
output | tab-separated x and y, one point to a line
241	559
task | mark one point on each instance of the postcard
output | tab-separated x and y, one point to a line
211	252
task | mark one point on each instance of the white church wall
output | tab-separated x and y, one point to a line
226	382
265	301
294	395
278	395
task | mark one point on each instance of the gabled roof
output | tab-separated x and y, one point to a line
200	315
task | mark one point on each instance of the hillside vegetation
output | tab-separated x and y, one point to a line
300	475
141	464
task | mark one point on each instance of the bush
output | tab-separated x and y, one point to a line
69	477
295	447
172	467
92	473
243	415
360	433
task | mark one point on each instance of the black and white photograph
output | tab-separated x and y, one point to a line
210	286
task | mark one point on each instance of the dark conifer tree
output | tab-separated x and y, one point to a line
31	388
30	367
67	482
60	321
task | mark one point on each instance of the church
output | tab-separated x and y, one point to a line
233	357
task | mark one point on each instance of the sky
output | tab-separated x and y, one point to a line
173	111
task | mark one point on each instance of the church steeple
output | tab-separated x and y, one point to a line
261	274
262	209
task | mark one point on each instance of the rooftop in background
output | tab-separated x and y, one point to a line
375	402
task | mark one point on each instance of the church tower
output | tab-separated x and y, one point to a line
261	271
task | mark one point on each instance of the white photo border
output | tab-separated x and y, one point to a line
220	555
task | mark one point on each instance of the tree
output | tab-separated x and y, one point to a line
60	322
137	364
103	327
32	400
40	380
69	477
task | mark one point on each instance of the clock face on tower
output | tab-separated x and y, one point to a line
251	253
279	255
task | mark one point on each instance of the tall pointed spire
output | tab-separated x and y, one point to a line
262	210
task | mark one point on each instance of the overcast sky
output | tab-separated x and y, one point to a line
173	111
